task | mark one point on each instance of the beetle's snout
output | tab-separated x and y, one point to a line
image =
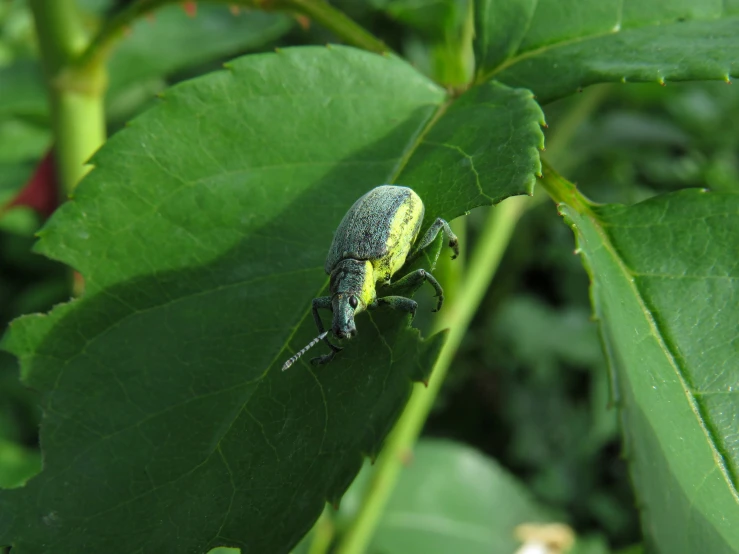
347	332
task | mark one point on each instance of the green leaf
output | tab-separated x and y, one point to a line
590	545
664	285
451	498
202	234
435	19
501	26
21	141
19	415
17	464
23	92
154	48
161	45
555	47
224	550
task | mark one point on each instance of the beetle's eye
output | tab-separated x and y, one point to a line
353	302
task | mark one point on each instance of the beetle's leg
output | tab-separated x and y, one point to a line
326	358
430	235
323	302
413	281
398	303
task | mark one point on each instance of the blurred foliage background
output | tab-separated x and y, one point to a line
528	394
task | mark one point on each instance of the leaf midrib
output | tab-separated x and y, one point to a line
680	372
617	28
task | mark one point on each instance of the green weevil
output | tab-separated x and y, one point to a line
371	244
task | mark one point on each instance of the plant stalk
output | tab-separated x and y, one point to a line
76	96
457	316
323	533
335	21
562	191
318	10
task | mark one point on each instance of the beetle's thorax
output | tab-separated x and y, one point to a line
350	279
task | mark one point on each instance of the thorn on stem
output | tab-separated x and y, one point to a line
303	21
191	8
406	457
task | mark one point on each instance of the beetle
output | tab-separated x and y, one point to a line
371	244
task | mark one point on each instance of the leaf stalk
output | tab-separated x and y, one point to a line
562	191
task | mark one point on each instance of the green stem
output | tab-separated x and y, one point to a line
317	10
457	317
452	57
335	21
76	96
79	130
562	191
323	534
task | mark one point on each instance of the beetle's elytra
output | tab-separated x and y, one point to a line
371	244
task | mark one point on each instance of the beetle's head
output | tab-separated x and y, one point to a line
352	289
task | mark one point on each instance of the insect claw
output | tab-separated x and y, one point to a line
320	360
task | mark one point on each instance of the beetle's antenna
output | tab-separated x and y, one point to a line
294	359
